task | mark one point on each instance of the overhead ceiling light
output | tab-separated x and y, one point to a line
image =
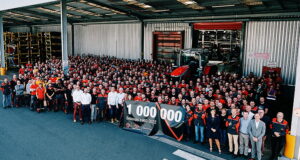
191	4
161	10
223	6
254	3
141	5
81	11
147	6
22	15
56	12
101	7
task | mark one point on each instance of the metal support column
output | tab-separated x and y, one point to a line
295	131
64	36
2	42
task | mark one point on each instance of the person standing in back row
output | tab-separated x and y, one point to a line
256	130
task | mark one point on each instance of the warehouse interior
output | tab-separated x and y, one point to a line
249	34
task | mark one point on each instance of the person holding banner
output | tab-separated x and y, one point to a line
213	129
188	122
199	122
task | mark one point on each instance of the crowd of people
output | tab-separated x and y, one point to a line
225	108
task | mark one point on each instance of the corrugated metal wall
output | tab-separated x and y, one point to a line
119	40
151	27
269	42
46	28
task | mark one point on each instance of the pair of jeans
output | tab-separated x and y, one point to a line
6	100
112	111
199	130
32	102
60	102
93	112
18	101
223	136
86	112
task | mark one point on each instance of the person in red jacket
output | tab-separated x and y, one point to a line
188	122
233	125
199	122
40	95
279	128
33	88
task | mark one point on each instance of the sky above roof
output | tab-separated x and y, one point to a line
10	4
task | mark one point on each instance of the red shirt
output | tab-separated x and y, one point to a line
21	71
33	87
40	92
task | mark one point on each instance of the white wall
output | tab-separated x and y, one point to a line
279	40
119	40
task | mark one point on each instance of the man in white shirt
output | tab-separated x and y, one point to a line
120	102
76	94
86	99
112	101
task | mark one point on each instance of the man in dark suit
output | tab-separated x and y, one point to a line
256	130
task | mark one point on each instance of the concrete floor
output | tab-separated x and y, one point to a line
29	135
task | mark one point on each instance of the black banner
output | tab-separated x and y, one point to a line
140	116
172	120
152	118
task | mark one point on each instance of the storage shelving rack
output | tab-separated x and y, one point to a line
35	47
52	44
23	47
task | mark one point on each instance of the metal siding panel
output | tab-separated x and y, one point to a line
280	39
118	40
149	28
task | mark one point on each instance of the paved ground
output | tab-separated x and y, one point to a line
28	135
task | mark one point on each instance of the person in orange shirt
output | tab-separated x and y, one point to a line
33	88
40	95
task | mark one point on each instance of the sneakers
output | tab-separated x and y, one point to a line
74	120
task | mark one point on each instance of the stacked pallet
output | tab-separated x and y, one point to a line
23	47
52	44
